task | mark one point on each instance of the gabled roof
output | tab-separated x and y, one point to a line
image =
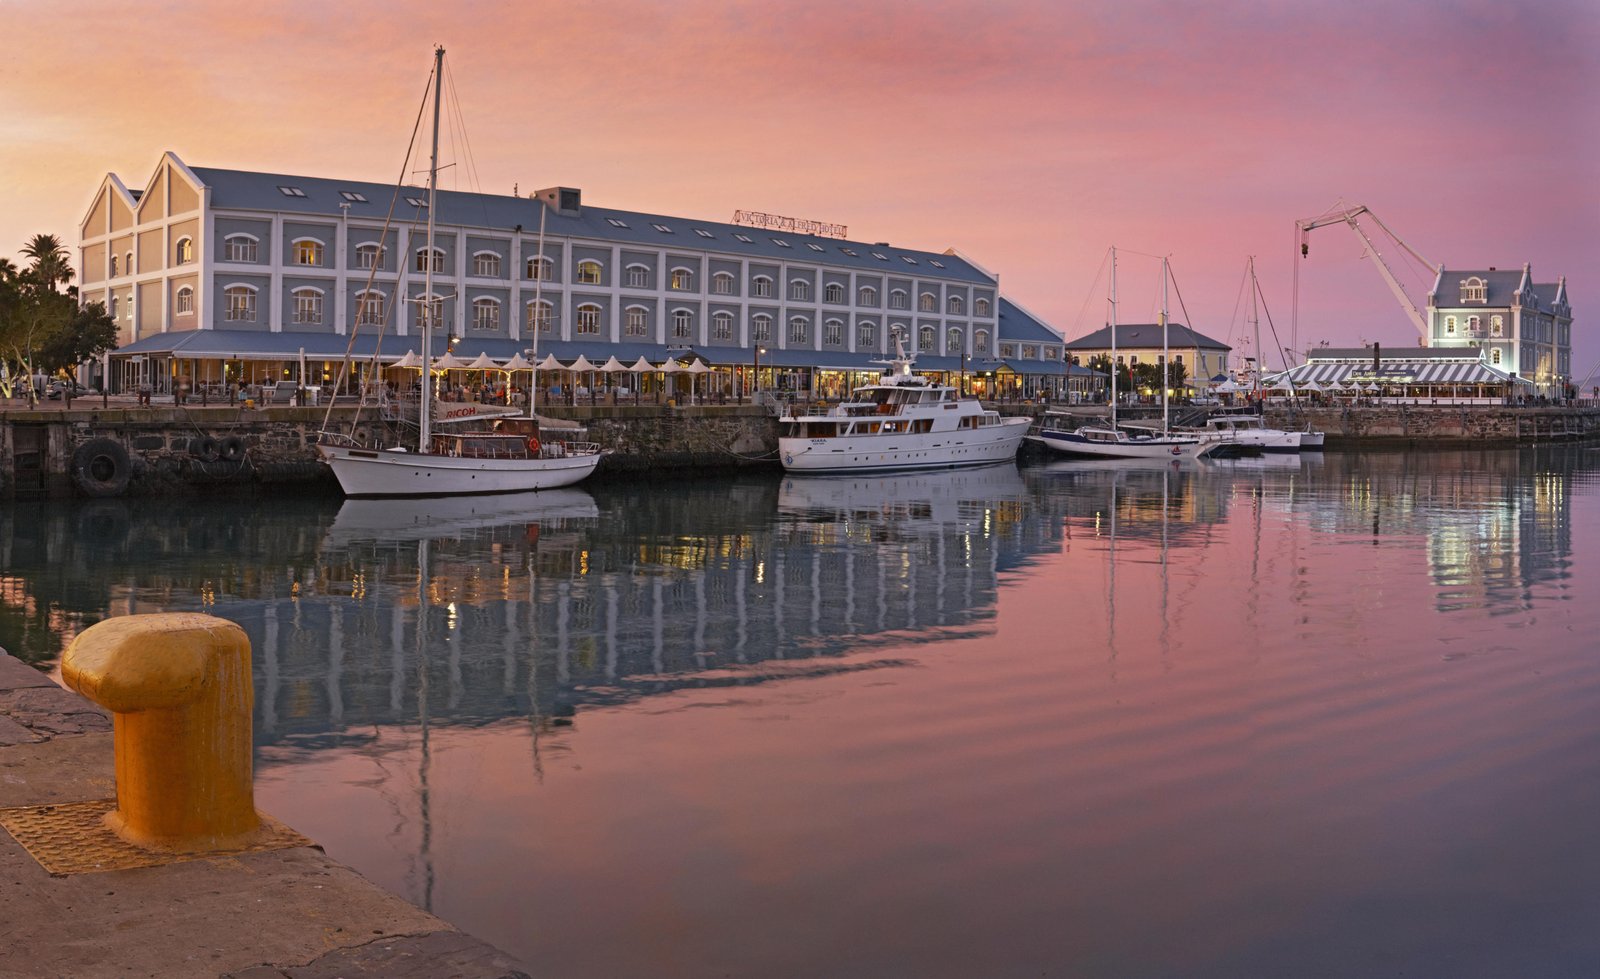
1502	285
1146	336
247	190
1018	324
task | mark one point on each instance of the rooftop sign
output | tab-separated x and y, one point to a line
799	226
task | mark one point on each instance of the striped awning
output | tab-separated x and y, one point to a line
1453	373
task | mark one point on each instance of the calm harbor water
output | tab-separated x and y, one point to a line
1318	717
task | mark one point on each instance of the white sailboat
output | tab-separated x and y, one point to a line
505	455
1062	432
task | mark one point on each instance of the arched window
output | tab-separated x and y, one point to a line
897	299
111	306
184	302
638	276
240	248
486	264
369	307
636	322
867	335
127	263
308	251
423	260
760	327
541	316
307	304
798	328
722	283
589	316
926	339
927	303
682	324
113	266
1474	290
589	272
485	313
955	305
800	290
980	307
682	278
183	254
866	296
722	325
761	287
833	332
954	342
834	293
430	310
369	255
239	301
980	342
540	267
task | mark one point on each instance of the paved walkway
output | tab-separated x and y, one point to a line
281	914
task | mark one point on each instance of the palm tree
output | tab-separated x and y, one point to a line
49	260
8	270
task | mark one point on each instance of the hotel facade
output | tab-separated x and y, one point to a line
225	275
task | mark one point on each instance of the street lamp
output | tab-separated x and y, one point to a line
756	388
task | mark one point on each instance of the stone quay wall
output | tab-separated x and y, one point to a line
1418	423
176	450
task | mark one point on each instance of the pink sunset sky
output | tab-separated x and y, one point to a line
1028	135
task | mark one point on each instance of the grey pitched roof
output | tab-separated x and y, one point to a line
1145	336
247	190
1018	324
1502	285
1397	352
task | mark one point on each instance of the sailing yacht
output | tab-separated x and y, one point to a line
505	455
1062	431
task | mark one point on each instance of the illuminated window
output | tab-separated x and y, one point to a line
1497	326
1494	356
307	251
589	272
539	267
682	278
1450	325
184	253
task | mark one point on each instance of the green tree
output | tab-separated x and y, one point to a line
49	266
42	327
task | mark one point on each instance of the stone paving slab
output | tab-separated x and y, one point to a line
282	914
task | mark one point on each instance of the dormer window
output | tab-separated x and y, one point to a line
1474	290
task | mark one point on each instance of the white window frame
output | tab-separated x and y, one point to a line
307	246
761	287
370	306
867	296
183	301
638	276
486	259
833	332
980	306
799	329
540	315
423	259
370	255
927	336
590	272
867	334
927	303
980	342
683	279
833	292
239	302
588	323
183	251
898	298
954	341
761	328
539	268
429	306
242	247
307	304
490	304
636	321
800	290
722	325
955	306
682	324
722	283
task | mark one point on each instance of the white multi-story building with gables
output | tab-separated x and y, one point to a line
232	275
1521	327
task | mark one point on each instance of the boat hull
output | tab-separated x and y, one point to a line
1071	443
904	451
367	472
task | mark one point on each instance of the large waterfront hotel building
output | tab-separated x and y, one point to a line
224	274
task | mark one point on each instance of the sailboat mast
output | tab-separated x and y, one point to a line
1255	318
429	309
538	309
1113	337
1166	355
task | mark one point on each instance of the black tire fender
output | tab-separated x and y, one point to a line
231	449
100	468
204	448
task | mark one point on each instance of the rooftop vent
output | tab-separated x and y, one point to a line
567	201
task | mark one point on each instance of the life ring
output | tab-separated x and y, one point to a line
1176	450
204	448
100	468
231	449
533	445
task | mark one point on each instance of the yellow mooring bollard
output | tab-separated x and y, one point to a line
178	686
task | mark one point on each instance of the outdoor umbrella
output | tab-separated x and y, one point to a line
410	361
613	366
583	365
670	367
516	363
640	367
695	369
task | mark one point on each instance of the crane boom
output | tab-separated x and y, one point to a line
1348	216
